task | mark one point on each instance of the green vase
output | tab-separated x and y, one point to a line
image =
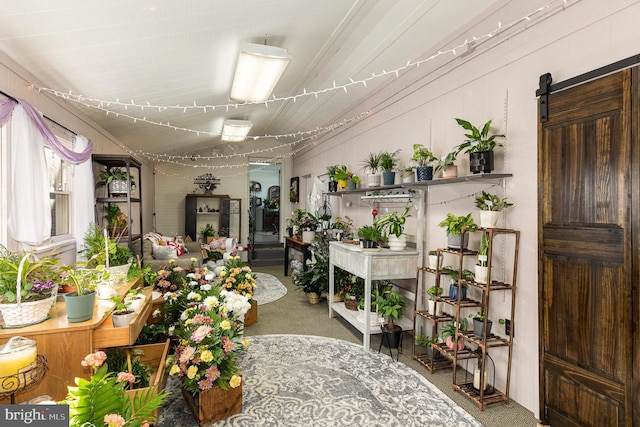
79	307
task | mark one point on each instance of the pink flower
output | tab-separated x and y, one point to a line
94	359
187	354
227	345
126	376
212	373
113	420
201	333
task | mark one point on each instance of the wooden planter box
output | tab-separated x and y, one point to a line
155	355
251	316
214	405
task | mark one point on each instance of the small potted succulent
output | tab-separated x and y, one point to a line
490	207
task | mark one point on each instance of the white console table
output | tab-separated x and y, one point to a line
382	264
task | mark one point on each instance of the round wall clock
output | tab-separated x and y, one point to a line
256	186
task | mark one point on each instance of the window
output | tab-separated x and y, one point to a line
60	179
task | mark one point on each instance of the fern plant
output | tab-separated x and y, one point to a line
103	395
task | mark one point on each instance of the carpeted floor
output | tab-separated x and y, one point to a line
291	380
268	288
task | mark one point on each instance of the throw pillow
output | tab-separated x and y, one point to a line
163	251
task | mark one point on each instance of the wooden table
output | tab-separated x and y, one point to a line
381	264
65	344
298	245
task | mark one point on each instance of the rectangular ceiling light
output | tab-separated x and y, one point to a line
235	130
258	70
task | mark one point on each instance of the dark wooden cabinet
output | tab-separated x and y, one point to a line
219	210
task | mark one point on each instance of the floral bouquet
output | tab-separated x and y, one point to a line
210	337
236	276
102	400
172	277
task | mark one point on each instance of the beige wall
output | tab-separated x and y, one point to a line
497	82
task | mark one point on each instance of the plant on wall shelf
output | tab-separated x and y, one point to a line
478	140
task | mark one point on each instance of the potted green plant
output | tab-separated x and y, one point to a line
95	245
116	180
28	287
122	313
480	145
490	206
448	333
392	226
388	164
117	221
426	342
271	204
481	268
390	304
372	164
478	324
340	174
369	235
433	292
407	173
446	164
314	280
424	157
309	225
80	303
208	233
435	260
352	181
453	225
455	290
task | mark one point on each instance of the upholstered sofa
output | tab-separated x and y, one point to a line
193	250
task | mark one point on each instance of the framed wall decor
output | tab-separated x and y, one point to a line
294	190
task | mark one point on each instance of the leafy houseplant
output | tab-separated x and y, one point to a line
370	235
448	333
454	276
424	157
393	223
37	276
270	203
449	170
478	324
116	220
207	231
388	164
489	205
113	176
95	245
480	145
372	164
433	292
390	304
453	225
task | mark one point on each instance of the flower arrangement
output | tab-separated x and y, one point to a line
172	277
236	276
102	400
37	276
210	337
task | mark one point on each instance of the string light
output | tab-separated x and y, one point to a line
99	103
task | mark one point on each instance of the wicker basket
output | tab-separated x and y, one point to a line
25	313
351	304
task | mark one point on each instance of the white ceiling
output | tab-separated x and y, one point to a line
181	52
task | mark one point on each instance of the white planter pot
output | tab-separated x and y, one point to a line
481	274
122	320
308	236
373	180
397	243
136	302
434	262
409	178
489	219
106	291
438	308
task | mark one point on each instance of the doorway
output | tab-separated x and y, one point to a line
264	213
588	250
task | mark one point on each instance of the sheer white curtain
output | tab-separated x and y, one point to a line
83	195
29	210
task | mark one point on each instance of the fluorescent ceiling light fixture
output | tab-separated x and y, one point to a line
236	130
258	70
259	163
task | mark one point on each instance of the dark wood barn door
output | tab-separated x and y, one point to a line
588	253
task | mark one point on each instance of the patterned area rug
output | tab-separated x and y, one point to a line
268	289
293	380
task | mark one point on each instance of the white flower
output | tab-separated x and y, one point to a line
171	329
205	287
191	275
211	301
238	304
194	295
209	277
156	313
193	283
